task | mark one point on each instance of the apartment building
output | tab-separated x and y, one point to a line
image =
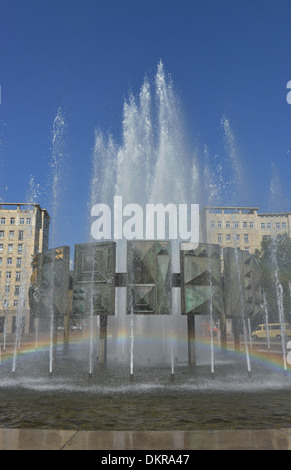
242	227
24	231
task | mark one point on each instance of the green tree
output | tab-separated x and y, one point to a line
275	254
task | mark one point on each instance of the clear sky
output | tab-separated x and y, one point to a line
226	58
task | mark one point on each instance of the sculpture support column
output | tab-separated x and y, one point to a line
191	340
236	333
223	337
103	341
66	331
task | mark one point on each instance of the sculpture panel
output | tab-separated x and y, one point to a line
49	289
94	279
149	279
201	282
242	283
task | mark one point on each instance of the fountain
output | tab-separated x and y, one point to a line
266	316
279	298
141	303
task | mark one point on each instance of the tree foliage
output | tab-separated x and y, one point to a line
275	256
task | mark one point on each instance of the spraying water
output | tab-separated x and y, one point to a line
250	332
27	252
57	171
131	339
279	298
91	329
266	313
211	329
216	185
152	164
5	317
243	315
237	180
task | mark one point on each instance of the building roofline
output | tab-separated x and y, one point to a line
232	207
273	213
247	208
18	204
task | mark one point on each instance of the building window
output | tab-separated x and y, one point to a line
263	225
16	292
236	225
246	238
251	224
219	238
227	224
11	233
15	303
6	303
228	237
269	225
17	276
236	237
0	261
284	225
28	220
9	261
10	248
219	224
277	225
19	249
212	224
21	220
1	233
245	225
1	247
8	274
18	263
2	220
12	220
20	235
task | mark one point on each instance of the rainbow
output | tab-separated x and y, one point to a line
271	359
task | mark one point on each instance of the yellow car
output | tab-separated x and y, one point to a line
274	331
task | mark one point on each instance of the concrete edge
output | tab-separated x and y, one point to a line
43	439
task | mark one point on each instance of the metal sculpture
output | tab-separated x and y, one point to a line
94	279
49	291
149	277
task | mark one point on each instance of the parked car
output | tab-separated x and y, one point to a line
75	328
261	332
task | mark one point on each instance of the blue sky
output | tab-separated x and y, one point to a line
229	58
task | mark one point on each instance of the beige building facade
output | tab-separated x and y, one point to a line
242	227
24	232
